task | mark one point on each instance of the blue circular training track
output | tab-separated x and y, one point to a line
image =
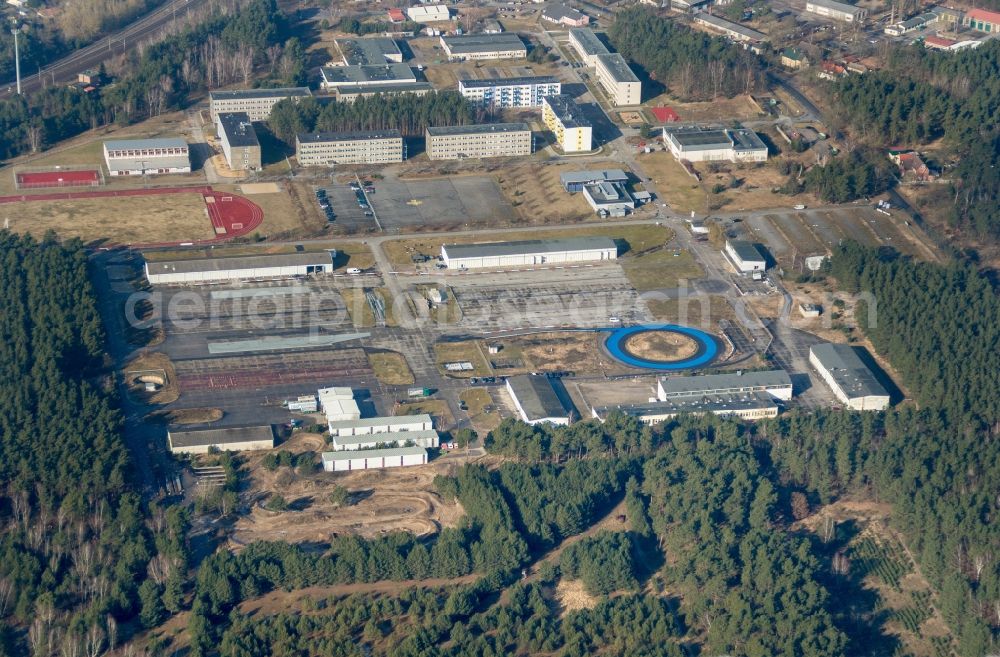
708	348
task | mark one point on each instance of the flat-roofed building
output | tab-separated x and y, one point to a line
776	383
587	45
573	181
369	52
349	93
536	400
618	80
478	141
745	256
852	382
204	270
140	157
528	252
229	439
427	439
323	149
696	144
608	198
257	103
734	31
371	425
505	45
503	93
745	406
338	404
366	76
428	13
840	11
563	15
563	117
239	141
373	459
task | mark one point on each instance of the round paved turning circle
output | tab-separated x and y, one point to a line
707	347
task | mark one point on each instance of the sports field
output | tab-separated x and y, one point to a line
154	218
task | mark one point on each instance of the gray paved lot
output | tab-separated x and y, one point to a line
451	201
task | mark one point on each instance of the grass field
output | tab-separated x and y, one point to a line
478	400
720	109
659	267
682	192
457	352
639	239
697	311
390	368
538	196
436	408
177	217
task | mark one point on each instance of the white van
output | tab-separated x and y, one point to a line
353	270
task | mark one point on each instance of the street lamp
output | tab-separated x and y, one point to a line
17	54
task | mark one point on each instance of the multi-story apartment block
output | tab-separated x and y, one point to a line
257	103
330	148
563	117
478	141
503	93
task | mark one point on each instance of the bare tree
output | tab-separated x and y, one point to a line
112	627
95	641
243	61
273	54
70	646
6	594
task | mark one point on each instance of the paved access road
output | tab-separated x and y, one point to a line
64	70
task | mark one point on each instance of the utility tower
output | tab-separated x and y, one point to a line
17	58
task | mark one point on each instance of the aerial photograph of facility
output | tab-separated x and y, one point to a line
499	328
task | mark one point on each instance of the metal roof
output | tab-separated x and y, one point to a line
699	139
144	144
583	177
566	109
386	437
242	262
607	193
282	92
744	139
618	67
380	421
746	251
696	404
330	457
848	370
509	82
729	26
374	74
225	436
392	88
481	128
368	51
528	247
471	43
536	396
588	41
833	4
320	137
683	386
238	128
557	12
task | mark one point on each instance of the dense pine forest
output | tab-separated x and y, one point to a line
409	113
692	65
923	95
77	544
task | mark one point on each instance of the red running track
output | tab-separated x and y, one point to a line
58	178
231	215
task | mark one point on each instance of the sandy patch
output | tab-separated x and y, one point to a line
260	188
661	346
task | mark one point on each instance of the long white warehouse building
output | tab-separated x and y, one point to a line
428	438
528	252
242	268
373	459
850	379
373	425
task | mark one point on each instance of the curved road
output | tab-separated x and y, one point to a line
64	70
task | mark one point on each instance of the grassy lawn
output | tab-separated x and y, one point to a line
638	238
436	408
478	400
447	312
457	352
698	314
390	368
661	267
682	192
